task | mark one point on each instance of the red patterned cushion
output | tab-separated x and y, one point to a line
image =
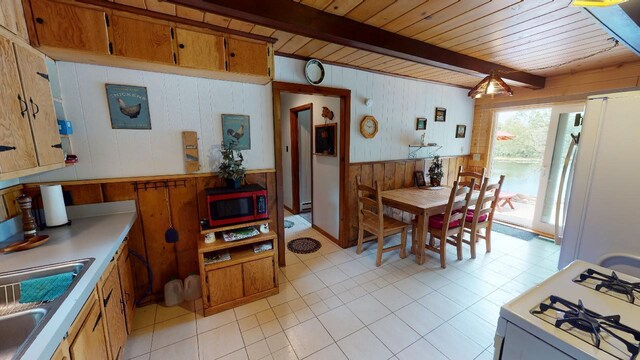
470	213
436	221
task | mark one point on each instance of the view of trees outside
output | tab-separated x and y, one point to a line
519	154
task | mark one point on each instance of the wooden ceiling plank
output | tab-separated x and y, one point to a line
161	7
341	7
317	4
441	16
295	43
263	30
492	20
508	22
392	12
311	47
617	57
135	3
557	57
377	61
282	37
340	54
240	25
403	64
385	64
367	9
312	23
407	71
366	59
215	19
353	56
417	14
326	51
188	13
465	18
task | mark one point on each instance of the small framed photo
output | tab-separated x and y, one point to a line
418	178
441	114
325	139
128	107
421	124
236	131
461	131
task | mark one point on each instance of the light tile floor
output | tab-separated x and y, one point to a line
335	304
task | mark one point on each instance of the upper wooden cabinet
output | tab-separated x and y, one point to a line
12	18
248	56
142	38
17	150
200	50
39	102
69	26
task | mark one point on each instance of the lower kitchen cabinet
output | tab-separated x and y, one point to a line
113	306
87	336
62	352
125	270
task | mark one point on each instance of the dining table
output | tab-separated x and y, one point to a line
422	202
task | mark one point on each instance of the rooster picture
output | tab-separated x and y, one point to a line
132	111
236	134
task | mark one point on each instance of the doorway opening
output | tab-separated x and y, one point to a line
301	125
531	147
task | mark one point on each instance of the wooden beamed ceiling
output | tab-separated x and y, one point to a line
513	33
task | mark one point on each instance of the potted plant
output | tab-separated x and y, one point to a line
231	168
435	171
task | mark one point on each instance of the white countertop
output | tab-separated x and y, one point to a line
97	230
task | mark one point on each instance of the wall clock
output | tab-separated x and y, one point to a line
369	127
314	72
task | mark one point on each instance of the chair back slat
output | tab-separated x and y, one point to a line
459	206
464	177
489	195
370	204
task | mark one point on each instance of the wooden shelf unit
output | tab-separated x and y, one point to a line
246	277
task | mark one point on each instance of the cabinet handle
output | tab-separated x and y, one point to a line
57	146
97	322
40	20
45	76
35	109
127	296
232	54
106	300
4	148
181	46
25	109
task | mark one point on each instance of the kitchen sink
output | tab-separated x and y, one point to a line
21	323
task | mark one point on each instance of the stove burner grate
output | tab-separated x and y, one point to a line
611	282
583	319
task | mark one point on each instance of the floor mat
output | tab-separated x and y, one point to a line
304	245
515	232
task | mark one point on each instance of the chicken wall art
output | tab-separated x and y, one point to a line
236	132
128	106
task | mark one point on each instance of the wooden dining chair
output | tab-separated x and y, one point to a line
464	177
481	217
449	226
371	219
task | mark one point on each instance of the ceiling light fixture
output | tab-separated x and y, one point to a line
598	3
491	85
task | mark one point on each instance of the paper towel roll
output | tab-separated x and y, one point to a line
55	212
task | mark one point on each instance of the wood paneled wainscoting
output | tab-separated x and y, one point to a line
179	199
393	174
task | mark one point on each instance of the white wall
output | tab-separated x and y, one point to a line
326	169
176	103
397	103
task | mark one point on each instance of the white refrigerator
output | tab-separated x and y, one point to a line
603	216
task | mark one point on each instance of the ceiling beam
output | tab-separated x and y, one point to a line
303	20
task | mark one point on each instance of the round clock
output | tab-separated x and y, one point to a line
369	126
314	72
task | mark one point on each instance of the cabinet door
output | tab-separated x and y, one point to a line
258	276
18	151
44	125
126	281
62	352
247	57
90	342
70	27
199	50
12	17
225	284
114	313
141	38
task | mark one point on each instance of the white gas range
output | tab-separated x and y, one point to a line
567	315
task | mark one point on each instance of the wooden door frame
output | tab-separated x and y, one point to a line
345	133
295	155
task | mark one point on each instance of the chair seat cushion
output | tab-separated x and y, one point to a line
470	214
436	221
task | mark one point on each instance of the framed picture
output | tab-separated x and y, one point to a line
441	114
421	124
461	131
128	107
325	139
418	178
236	131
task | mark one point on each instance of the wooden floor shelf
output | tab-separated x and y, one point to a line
220	244
240	256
